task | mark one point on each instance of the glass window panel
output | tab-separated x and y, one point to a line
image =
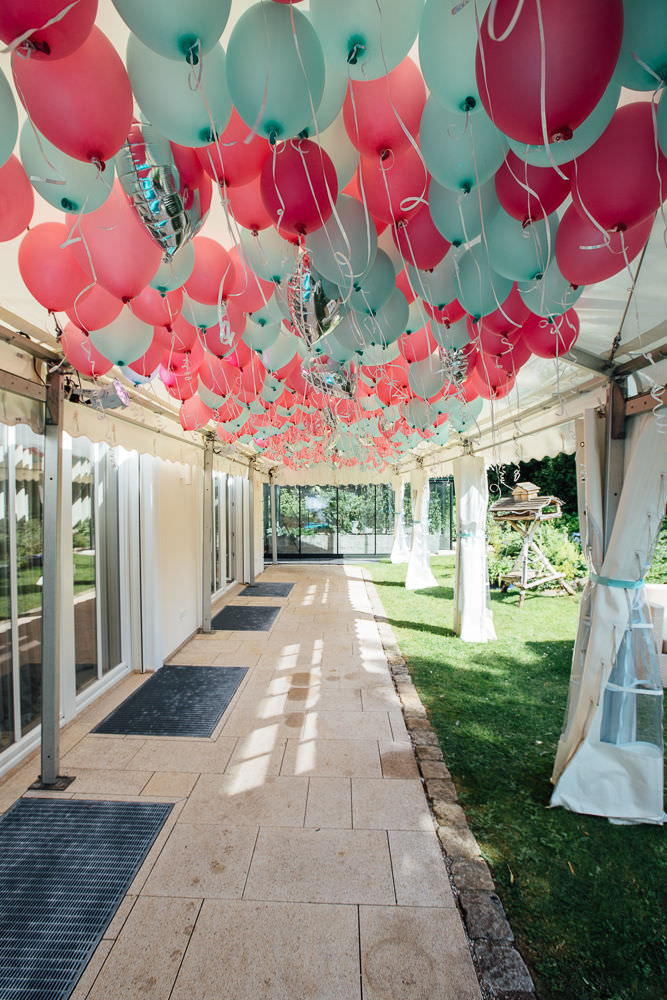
6	678
356	520
84	558
287	503
318	520
438	514
108	568
384	524
267	521
29	466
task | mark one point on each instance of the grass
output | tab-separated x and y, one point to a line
29	591
585	898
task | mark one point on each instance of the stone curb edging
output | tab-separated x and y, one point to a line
500	968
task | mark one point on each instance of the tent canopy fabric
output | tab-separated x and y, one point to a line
473	619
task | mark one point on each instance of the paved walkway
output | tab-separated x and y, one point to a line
300	861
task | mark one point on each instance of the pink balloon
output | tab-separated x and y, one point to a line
194	414
528	193
49	268
299	186
124	256
190	170
511	314
403	285
394	187
17	201
94	309
52	42
620	179
184	362
418	241
252	379
417	346
148	362
250	293
582	40
218	341
156	309
179	336
381	115
181	387
551	338
81	354
219	376
451	313
82	103
213	269
518	354
232	160
247	207
582	254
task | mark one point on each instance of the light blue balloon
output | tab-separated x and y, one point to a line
662	125
330	345
135	378
258	337
645	34
167	93
460	151
175	29
71	185
377	355
463	418
200	314
9	120
211	399
281	352
419	413
275	78
352	332
417	316
582	139
366	37
344	248
176	271
552	295
437	287
268	254
480	288
522	253
426	378
375	288
458	215
447	48
389	322
268	314
452	337
124	340
331	105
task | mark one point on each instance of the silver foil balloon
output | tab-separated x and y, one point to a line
146	169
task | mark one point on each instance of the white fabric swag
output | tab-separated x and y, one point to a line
473	619
609	760
419	574
399	551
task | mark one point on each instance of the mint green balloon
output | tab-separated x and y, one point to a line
167	93
176	29
447	48
460	151
458	215
389	322
426	378
269	313
345	158
352	332
71	185
268	254
281	351
582	139
374	289
273	389
208	398
437	287
480	288
330	345
259	337
200	314
368	37
344	248
331	105
376	355
124	340
552	295
464	417
522	253
662	125
275	78
645	34
176	271
417	316
9	120
452	337
419	413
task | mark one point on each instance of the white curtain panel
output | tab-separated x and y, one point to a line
419	575
400	552
610	755
473	619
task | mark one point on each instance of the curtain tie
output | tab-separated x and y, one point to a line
608	581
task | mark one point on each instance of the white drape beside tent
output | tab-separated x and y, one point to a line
473	619
610	755
419	574
400	552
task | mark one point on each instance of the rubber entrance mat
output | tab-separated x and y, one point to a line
176	701
267	590
246	618
64	868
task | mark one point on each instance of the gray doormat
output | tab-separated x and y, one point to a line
65	866
267	590
245	618
176	701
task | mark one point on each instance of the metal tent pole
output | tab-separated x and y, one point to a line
251	521
274	526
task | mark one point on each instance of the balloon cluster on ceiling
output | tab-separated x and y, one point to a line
399	252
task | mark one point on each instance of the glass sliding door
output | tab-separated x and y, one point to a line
7	734
84	563
288	520
356	520
384	519
218	533
318	520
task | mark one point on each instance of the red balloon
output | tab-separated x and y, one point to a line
395	187
213	269
184	362
551	338
156	309
17	201
81	354
580	47
417	346
582	254
619	181
252	379
418	241
148	362
232	160
511	313
246	205
181	387
519	352
229	410
49	268
179	336
403	285
382	114
250	292
194	414
528	193
219	376
124	256
241	356
218	341
190	170
299	186
451	313
52	42
82	103
94	309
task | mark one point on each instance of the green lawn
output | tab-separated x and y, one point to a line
29	590
586	899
